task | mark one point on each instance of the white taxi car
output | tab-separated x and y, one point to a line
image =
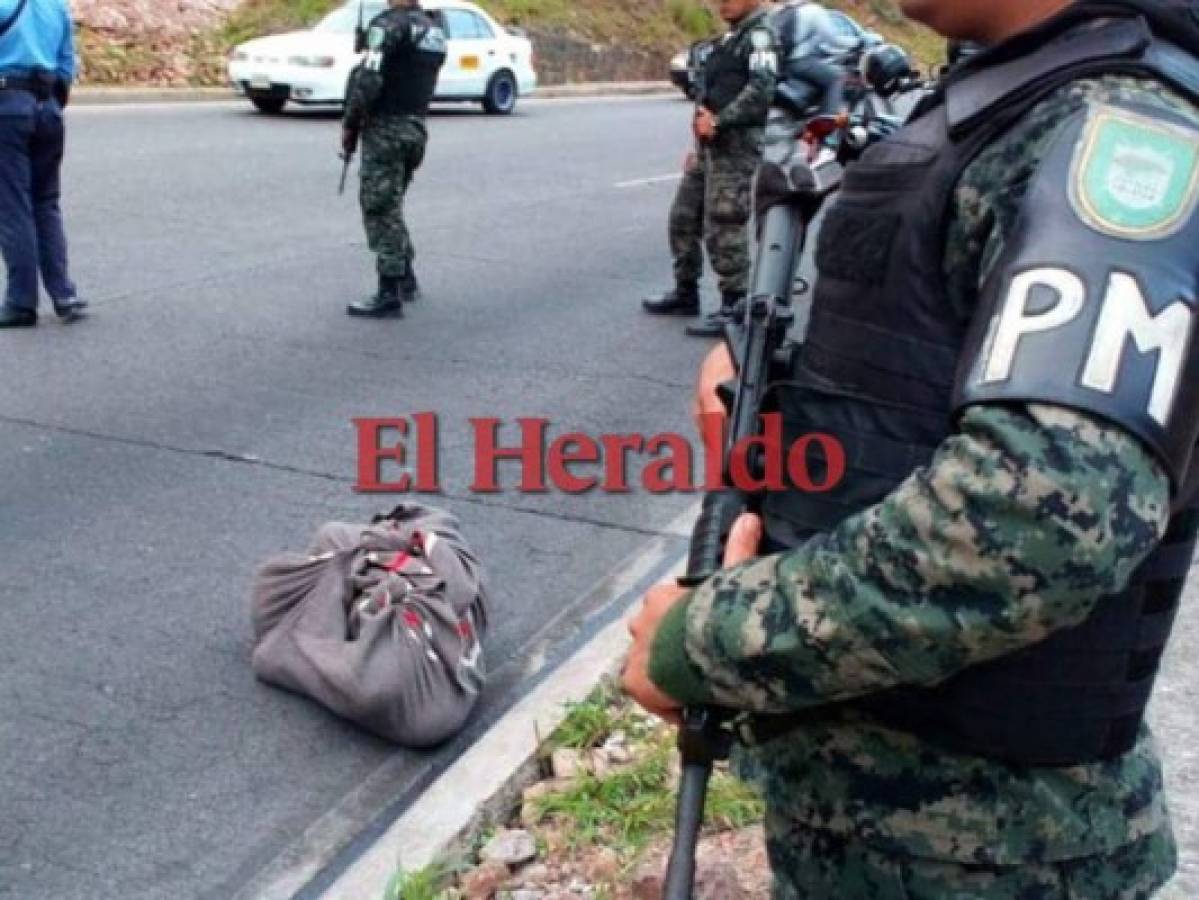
487	63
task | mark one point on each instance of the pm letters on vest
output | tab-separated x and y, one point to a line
1045	300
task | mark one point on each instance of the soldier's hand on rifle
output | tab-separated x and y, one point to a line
349	141
717	368
704	124
742	546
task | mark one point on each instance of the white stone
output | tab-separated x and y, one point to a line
510	848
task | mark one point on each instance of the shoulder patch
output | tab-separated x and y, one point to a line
763	59
433	40
1133	176
761	39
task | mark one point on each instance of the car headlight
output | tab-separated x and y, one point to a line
240	56
313	62
678	61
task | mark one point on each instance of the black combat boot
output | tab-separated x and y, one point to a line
410	287
682	301
713	325
386	302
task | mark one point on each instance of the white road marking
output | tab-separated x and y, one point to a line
656	179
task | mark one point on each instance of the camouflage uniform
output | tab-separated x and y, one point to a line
386	102
1032	512
392	150
713	204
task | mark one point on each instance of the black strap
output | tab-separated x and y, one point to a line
12	20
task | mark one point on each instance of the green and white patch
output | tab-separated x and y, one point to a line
1135	177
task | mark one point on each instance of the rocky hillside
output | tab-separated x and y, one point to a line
179	42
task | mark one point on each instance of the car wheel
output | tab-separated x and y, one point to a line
269	105
500	98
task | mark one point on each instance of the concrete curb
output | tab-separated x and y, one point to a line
97	96
489	777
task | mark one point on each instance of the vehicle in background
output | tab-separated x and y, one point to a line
486	62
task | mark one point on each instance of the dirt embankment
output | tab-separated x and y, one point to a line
185	42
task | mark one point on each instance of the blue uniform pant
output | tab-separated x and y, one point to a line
32	138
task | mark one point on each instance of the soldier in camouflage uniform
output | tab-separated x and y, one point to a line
386	104
712	205
959	655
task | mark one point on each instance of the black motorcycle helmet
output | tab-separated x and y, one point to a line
885	67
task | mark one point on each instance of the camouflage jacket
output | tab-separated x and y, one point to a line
748	109
850	612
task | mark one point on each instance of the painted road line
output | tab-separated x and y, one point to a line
641	182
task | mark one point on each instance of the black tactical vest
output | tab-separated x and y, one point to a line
878	370
410	66
726	71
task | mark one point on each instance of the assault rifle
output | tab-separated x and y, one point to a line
360	41
346	158
802	166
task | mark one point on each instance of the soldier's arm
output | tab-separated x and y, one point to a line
1023	520
1026	516
749	108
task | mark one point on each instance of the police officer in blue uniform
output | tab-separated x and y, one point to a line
37	66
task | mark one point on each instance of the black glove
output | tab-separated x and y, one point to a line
62	92
349	140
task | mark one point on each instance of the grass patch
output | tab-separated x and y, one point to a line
628	809
256	18
427	884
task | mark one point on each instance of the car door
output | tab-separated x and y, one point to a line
472	53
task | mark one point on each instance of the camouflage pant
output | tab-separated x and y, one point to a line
819	865
712	208
392	150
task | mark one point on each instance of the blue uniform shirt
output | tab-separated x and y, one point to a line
42	39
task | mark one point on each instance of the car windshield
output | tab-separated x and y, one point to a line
345	19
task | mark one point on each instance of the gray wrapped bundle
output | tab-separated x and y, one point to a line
379	623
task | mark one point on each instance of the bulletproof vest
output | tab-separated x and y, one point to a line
878	370
726	71
410	66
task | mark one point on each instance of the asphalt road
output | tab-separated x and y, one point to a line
152	456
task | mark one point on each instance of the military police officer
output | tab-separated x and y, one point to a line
387	103
962	637
712	205
37	66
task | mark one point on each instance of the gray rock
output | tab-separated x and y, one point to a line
512	848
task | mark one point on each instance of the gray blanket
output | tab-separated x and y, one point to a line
379	623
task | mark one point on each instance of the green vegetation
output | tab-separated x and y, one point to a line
628	809
658	27
258	17
427	884
631	807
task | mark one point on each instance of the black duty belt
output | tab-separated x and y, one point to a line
40	88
